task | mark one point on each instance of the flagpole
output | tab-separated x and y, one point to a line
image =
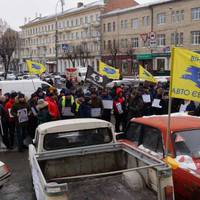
169	106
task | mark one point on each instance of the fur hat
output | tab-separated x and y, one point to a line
41	104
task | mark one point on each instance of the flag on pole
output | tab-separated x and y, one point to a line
185	74
96	78
145	75
35	68
110	72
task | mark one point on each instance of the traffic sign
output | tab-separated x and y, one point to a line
152	35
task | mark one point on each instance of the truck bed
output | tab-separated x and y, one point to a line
107	188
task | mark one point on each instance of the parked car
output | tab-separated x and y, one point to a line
81	159
4	173
149	135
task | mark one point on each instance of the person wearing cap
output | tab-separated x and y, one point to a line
20	110
43	114
66	105
84	110
11	119
40	94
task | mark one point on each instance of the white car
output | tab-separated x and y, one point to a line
4	173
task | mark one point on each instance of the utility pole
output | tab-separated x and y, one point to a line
56	33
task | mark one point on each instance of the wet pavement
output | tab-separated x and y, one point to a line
19	187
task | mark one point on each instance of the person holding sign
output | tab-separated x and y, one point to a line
96	106
107	105
66	106
20	111
119	105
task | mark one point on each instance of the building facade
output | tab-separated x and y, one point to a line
78	38
144	34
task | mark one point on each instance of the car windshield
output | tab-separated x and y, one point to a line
55	141
187	143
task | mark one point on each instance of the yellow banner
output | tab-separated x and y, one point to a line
145	75
185	74
106	70
35	68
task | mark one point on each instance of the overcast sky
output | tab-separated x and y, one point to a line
14	11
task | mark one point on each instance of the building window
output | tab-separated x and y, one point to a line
124	43
196	13
91	18
161	64
109	27
195	37
122	24
124	67
135	23
104	44
114	27
86	19
109	44
177	16
161	40
177	39
135	42
161	18
125	24
146	21
104	27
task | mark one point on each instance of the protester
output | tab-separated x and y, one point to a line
118	105
11	119
96	105
66	105
21	110
106	114
53	106
33	121
43	114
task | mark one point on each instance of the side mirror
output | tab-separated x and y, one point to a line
120	136
171	162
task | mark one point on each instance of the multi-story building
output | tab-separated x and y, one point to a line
78	37
143	34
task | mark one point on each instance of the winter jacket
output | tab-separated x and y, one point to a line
43	115
20	110
53	108
8	107
119	100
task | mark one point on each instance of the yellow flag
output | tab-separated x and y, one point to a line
185	74
145	75
35	68
110	72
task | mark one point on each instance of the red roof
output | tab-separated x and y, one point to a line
119	4
178	123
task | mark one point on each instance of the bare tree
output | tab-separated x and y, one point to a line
71	54
114	50
8	43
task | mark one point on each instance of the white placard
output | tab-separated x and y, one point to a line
183	108
22	115
67	112
108	104
119	108
9	112
95	112
34	111
156	103
146	98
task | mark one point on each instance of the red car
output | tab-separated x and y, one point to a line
149	134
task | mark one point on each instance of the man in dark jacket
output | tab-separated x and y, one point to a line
20	111
43	115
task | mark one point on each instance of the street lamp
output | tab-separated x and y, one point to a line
56	35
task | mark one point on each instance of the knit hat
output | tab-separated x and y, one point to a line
41	104
20	95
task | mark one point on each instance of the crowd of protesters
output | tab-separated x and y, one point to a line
21	116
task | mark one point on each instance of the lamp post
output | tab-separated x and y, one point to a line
56	33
